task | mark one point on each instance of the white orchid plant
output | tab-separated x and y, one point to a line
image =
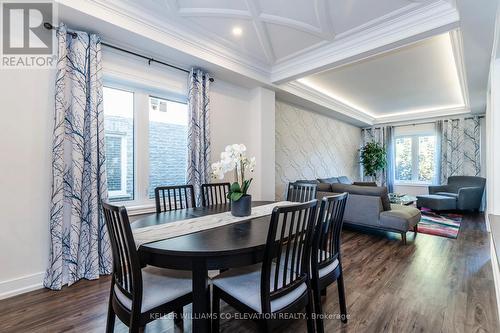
234	158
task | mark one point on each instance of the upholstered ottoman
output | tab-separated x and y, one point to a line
436	202
400	218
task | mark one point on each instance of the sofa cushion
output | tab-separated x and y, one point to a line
376	191
448	194
307	181
365	183
324	187
400	217
436	202
345	180
331	180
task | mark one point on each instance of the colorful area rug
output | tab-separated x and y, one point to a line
444	225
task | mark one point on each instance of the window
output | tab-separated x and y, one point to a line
145	141
167	143
415	158
119	142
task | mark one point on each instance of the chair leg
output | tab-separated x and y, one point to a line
110	322
178	314
310	312
215	311
318	308
403	237
342	302
134	327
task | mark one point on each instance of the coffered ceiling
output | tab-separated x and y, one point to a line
334	53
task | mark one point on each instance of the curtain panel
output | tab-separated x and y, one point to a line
385	136
80	246
198	166
460	148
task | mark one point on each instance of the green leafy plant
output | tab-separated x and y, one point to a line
236	191
373	158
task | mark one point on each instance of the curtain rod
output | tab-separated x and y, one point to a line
422	123
49	26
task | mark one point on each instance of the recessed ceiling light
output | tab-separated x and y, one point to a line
237	31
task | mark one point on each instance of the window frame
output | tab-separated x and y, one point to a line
123	166
414	160
141	203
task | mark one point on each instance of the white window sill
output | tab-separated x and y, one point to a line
134	208
141	209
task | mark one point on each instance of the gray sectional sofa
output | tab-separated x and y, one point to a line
368	205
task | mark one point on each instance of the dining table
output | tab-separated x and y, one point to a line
232	245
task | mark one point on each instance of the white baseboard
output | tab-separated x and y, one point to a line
496	273
20	285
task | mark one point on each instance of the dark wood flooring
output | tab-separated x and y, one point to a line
433	284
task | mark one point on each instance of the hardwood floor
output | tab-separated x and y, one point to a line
433	284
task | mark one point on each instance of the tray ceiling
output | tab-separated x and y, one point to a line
420	77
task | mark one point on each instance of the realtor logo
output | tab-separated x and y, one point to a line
25	41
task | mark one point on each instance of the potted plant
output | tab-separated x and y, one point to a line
234	158
373	158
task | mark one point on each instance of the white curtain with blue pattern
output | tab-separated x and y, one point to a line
385	136
80	247
460	148
198	166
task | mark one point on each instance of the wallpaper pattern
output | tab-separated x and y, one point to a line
310	145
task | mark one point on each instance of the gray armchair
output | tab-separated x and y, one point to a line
467	190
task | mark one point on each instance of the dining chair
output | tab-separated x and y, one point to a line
214	194
270	290
139	295
301	192
326	263
169	198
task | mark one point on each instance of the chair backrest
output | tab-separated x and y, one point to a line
326	240
301	192
214	194
288	243
169	198
457	182
126	265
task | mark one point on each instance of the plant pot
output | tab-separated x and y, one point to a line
242	207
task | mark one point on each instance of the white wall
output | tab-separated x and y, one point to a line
26	104
239	115
493	142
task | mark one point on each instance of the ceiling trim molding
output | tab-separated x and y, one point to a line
262	33
303	91
411	8
218	12
291	23
458	54
324	20
428	17
387	119
308	93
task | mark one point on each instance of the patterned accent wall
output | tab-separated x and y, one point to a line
310	145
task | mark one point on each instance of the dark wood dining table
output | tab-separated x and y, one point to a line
233	245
